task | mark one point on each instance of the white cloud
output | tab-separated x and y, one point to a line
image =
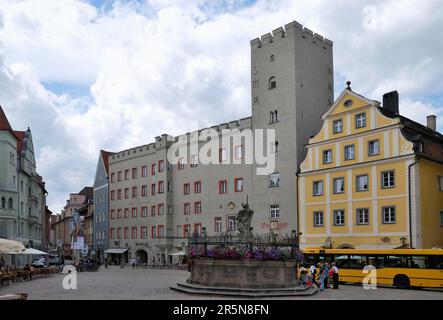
179	61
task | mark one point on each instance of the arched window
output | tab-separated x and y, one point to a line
10	203
272	58
275	116
271	117
3	202
272	83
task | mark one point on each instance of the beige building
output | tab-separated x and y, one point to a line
154	205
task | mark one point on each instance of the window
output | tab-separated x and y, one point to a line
217	224
134	192
126	215
119	194
349	152
144	212
127	174
161	187
238	184
337	126
187	208
387	179
231	223
161	231
111	233
134	212
126	233
161	166
274	147
327	156
274	179
144	191
388	215
119	233
198	207
318	188
318	218
238	152
160	209
134	173
273	116
144	232
119	176
153	189
222	155
362	183
144	171
360	120
198	228
119	213
153	169
179	232
181	164
363	216
186	188
440	183
272	83
186	230
339	185
222	187
274	211
153	232
112	214
169	186
339	217
272	58
152	211
113	177
197	187
170	210
194	160
126	193
374	147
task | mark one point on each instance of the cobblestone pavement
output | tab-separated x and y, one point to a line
120	284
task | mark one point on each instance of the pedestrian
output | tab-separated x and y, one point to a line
326	278
133	263
335	276
321	276
106	263
313	275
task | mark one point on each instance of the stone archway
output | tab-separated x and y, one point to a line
346	246
141	256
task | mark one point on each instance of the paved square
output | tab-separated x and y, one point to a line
151	284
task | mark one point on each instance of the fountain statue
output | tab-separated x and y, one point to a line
244	218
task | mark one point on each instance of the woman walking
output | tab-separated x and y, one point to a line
335	276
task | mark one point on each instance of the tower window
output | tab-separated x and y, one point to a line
272	58
273	116
272	83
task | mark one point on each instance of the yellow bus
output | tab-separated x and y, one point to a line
403	268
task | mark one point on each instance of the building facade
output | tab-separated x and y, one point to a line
22	190
155	205
371	178
101	206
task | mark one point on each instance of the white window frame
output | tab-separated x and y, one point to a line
360	120
327	156
274	211
347	154
340	215
389	177
392	214
358	184
337	126
371	149
362	219
317	192
274	179
336	191
318	218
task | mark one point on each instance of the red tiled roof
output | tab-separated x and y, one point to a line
4	123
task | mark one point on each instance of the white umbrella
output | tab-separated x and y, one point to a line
11	246
30	251
178	253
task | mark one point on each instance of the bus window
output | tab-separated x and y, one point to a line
397	262
342	261
357	262
417	262
377	261
435	262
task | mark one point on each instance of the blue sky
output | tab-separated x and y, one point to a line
91	75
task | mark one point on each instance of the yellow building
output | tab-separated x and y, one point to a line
371	178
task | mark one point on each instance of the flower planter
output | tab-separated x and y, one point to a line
245	273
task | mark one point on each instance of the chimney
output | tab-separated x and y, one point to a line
431	122
390	101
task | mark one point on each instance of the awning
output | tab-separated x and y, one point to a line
377	246
116	250
178	253
8	246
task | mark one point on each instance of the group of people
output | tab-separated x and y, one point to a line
323	275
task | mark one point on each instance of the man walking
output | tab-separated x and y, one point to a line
335	276
133	263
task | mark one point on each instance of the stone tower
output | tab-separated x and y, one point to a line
291	88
